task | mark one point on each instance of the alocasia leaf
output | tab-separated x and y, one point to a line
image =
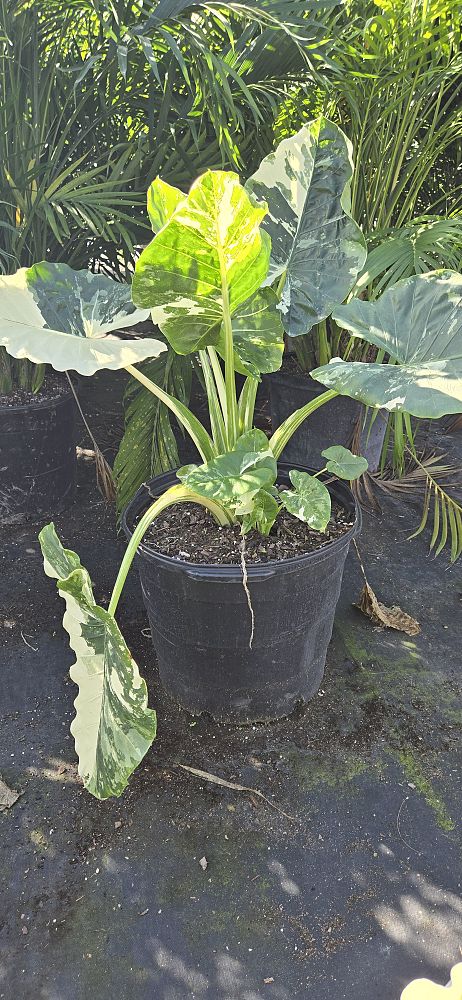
113	727
258	335
343	464
162	201
204	263
418	322
309	500
54	315
236	477
263	514
314	241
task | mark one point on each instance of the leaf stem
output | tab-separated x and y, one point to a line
283	434
176	494
195	429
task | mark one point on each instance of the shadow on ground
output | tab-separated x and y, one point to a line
349	886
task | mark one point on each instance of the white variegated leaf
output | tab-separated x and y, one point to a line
258	335
205	262
113	727
309	500
54	315
314	240
237	476
418	322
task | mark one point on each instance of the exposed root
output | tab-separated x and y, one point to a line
247	591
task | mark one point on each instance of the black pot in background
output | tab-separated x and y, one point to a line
200	621
334	423
37	458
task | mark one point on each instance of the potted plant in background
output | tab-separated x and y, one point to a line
204	278
37	441
37	410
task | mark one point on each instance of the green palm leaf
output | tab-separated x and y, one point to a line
149	446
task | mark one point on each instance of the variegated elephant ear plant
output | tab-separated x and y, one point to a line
221	276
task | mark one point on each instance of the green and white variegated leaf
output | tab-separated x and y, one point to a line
341	462
211	255
309	500
314	240
265	509
418	322
237	476
113	728
258	335
54	315
162	201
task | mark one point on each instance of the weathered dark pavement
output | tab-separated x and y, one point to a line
354	896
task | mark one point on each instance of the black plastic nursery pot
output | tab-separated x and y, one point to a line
334	423
37	458
201	626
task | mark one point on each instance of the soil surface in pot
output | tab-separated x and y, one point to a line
189	532
52	388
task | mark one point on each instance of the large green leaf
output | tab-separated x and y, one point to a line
418	323
309	500
54	315
314	240
210	257
236	477
113	728
258	335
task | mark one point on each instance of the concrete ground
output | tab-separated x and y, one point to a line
348	888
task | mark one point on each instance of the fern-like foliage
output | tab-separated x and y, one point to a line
148	446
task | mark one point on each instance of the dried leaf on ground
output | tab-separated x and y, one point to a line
370	605
393	617
8	796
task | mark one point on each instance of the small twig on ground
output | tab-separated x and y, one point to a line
34	648
234	787
247	591
409	846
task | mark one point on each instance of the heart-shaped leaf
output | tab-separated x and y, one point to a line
314	240
263	514
418	322
204	263
343	464
54	315
113	727
235	478
309	500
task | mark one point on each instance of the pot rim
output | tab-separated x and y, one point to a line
234	569
37	404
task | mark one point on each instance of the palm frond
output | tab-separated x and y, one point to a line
148	446
436	481
424	244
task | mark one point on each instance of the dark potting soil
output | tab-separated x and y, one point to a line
190	533
53	387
